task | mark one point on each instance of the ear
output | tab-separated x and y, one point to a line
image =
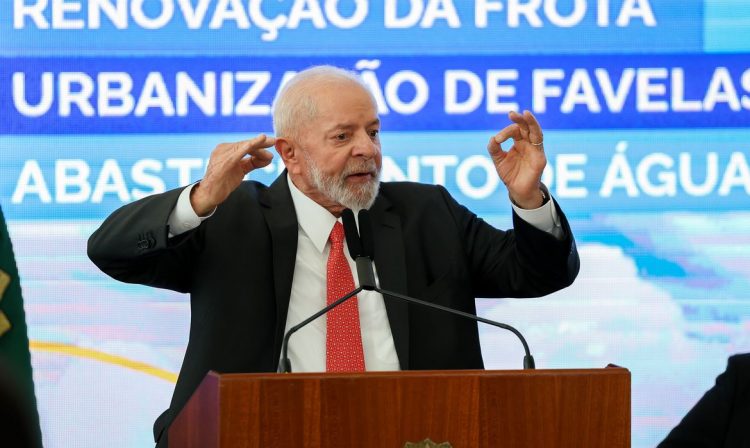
288	152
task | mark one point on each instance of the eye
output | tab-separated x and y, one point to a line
340	137
374	133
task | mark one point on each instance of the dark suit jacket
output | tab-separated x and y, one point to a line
722	417
238	267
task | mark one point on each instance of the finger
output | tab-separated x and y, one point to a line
493	146
247	165
495	150
255	161
263	141
511	131
249	147
242	148
535	130
261	154
520	120
261	160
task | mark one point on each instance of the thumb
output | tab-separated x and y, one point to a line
495	150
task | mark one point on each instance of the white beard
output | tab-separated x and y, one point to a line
336	189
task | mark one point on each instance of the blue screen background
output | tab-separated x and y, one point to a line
646	112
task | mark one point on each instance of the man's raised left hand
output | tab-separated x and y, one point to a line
521	166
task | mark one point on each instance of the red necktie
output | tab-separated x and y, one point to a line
343	337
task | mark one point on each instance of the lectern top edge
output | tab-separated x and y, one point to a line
609	370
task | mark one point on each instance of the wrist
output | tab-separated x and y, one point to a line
533	201
198	202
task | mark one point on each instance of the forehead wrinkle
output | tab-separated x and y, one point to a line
325	111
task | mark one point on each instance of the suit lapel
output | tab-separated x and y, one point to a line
281	219
390	262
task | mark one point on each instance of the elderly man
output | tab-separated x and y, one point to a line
257	260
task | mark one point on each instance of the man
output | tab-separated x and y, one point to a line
256	260
719	419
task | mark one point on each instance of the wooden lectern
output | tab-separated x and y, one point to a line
468	409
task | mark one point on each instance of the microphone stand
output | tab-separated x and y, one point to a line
361	247
285	366
528	360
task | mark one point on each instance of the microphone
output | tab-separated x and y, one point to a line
360	248
350	233
366	237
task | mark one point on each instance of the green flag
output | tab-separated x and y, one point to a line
15	359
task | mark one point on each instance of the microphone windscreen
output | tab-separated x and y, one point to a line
352	236
365	234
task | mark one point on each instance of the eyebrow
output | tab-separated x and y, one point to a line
348	126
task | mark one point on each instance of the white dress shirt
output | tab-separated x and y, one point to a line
307	347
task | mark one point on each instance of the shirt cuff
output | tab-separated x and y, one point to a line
544	218
183	218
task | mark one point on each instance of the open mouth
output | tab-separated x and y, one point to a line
367	175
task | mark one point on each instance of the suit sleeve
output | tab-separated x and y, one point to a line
132	245
708	423
523	262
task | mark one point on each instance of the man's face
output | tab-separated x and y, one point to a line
341	155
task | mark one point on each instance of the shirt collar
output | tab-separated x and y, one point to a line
313	218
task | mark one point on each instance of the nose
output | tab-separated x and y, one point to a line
365	146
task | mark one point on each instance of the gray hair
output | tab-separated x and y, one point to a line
294	102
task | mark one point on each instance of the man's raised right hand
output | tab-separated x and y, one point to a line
227	166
